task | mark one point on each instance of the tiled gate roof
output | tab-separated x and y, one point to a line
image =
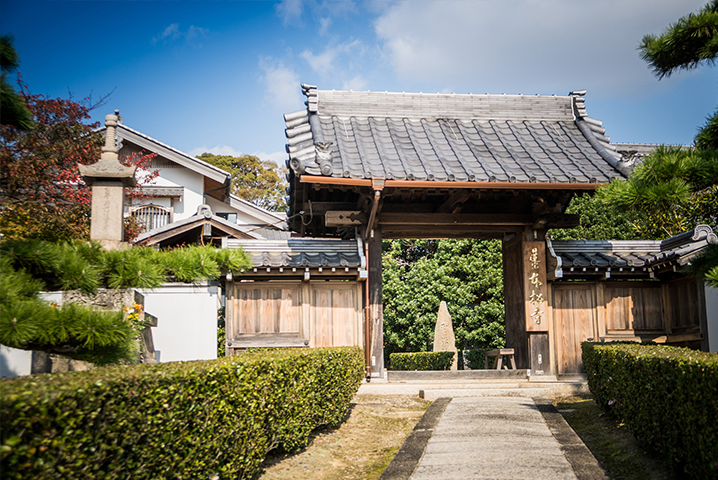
450	137
627	258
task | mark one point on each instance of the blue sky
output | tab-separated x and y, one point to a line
217	76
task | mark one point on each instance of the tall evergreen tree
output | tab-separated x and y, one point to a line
13	110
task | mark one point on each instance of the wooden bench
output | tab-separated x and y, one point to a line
499	355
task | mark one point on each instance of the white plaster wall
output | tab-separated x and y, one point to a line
186	321
14	362
243	217
712	317
193	184
219	207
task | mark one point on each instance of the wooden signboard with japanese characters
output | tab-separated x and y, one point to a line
535	289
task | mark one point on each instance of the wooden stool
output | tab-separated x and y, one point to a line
499	354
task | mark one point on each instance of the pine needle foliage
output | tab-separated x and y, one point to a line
136	267
672	191
79	332
692	40
74	330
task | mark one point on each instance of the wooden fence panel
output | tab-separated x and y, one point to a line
260	314
633	308
315	314
573	316
683	307
336	313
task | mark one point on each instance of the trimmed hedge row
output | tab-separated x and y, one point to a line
668	398
421	360
174	420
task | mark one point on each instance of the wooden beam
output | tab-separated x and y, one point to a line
557	220
455	199
344	218
321	208
436	219
372	215
365	182
482	232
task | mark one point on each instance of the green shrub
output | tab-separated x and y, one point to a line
475	358
668	398
173	420
421	360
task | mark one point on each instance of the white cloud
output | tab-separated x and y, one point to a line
356	83
290	11
276	157
216	150
173	32
282	84
323	63
524	46
324	24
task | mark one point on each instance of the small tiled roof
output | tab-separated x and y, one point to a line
450	137
303	252
637	258
204	215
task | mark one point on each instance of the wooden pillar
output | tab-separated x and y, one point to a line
525	298
376	308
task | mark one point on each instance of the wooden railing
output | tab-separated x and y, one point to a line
152	216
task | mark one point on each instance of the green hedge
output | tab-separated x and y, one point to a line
421	360
175	420
668	398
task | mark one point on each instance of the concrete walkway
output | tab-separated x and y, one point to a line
493	438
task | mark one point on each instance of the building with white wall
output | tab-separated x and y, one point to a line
183	185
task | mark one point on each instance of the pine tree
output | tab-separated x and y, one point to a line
13	110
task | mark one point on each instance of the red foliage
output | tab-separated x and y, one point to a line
41	192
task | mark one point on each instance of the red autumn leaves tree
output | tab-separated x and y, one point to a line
41	193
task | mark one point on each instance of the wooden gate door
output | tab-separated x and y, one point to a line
264	314
573	317
336	314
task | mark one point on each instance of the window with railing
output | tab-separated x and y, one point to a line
152	217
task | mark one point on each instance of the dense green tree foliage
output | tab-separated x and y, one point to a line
675	189
13	110
258	181
599	220
419	274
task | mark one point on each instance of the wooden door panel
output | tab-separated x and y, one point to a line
335	315
573	311
261	314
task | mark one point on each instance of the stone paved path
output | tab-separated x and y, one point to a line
493	437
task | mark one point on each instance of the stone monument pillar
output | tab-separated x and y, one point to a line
108	177
444	339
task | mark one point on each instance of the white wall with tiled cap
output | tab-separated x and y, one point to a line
186	320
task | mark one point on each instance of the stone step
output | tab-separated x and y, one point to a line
534	390
456	375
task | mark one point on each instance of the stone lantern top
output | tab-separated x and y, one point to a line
109	168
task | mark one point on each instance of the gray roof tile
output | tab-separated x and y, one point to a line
302	252
451	137
643	256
